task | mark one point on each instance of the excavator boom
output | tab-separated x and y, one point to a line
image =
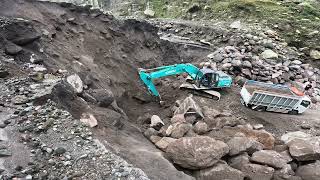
148	75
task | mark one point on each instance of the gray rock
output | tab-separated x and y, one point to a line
156	122
196	152
4	73
12	49
220	171
268	54
270	158
239	161
164	142
59	151
247	64
200	127
189	105
150	132
309	171
315	54
104	97
178	118
257	172
149	13
285	173
239	145
286	138
236	25
5	153
75	81
178	130
305	150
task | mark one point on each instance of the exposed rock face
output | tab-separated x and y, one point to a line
75	81
196	152
305	150
269	157
309	171
238	145
258	172
220	171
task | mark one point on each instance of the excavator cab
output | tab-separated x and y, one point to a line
209	78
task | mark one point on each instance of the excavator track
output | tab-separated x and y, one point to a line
207	93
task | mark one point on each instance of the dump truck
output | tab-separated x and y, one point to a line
274	97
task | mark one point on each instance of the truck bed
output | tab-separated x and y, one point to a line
252	86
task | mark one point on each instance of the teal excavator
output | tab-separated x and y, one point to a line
203	81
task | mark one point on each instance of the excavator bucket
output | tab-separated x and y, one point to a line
208	93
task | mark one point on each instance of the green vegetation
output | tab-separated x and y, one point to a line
295	19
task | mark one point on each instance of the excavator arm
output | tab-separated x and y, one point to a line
147	75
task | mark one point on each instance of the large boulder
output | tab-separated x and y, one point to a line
220	171
257	172
309	171
294	135
262	136
270	158
239	145
305	150
196	152
104	97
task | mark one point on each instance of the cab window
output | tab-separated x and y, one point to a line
305	103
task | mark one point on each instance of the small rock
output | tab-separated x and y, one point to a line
89	119
258	126
200	127
164	142
239	161
3	73
235	25
149	13
239	145
59	151
12	49
178	118
156	122
180	129
220	171
309	171
5	153
268	54
150	132
75	81
315	54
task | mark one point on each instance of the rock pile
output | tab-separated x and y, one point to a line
253	53
226	150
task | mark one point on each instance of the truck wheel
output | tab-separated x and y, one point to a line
261	108
293	112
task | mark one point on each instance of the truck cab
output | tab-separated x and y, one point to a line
303	105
